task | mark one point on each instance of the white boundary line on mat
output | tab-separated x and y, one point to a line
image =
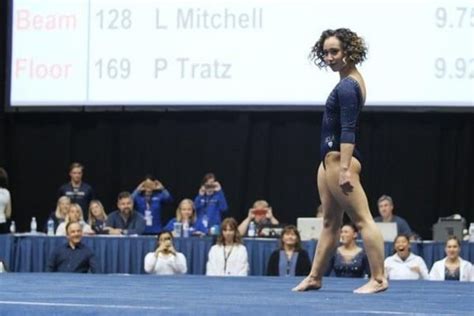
84	305
391	313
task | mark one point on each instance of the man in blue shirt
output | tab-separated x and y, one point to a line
210	202
148	199
73	256
79	192
385	204
125	221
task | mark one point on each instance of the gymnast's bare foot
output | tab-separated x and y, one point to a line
373	286
309	283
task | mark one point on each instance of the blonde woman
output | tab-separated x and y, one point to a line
60	213
186	214
74	215
97	217
229	256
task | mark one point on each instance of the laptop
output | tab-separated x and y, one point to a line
309	227
389	231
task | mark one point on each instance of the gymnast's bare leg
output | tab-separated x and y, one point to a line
352	199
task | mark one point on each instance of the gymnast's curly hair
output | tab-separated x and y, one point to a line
352	44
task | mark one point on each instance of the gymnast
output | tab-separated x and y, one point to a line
338	174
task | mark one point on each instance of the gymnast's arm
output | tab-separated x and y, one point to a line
349	103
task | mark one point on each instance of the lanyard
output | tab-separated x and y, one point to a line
226	257
288	267
288	264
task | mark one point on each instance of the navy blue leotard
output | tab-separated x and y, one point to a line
340	117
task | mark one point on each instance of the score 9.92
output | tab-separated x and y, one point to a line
459	68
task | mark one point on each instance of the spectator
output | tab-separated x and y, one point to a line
74	215
125	220
291	259
452	267
79	192
165	260
261	214
186	214
385	204
5	202
349	261
3	266
59	215
210	202
149	198
98	218
73	256
404	265
229	256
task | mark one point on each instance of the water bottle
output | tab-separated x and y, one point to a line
185	230
471	232
33	225
12	227
177	229
50	227
252	229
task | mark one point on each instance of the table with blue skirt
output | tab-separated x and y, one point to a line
29	253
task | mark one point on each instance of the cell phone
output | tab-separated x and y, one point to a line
260	211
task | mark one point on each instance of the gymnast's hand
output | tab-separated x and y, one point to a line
345	177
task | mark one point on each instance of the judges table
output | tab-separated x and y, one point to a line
23	253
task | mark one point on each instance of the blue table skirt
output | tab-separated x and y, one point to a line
126	254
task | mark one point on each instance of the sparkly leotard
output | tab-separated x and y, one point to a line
340	117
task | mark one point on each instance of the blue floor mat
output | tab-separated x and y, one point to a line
78	294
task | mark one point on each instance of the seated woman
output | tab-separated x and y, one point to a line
261	214
97	217
452	267
186	214
350	260
404	265
229	256
59	215
290	259
165	260
74	215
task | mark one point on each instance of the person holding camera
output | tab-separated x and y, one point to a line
149	198
210	202
261	214
165	260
